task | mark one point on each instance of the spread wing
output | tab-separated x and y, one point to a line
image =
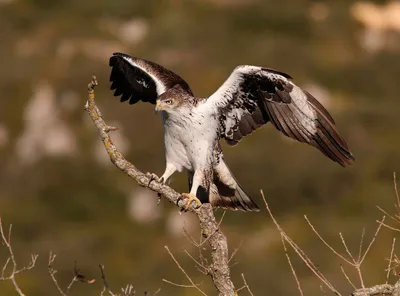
137	79
252	96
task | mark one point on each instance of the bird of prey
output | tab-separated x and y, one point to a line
251	97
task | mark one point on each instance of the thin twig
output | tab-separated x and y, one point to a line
325	243
390	261
52	273
215	231
235	251
246	285
175	284
347	277
387	214
205	269
389	227
396	192
361	244
347	248
128	291
291	267
373	239
105	284
358	268
190	238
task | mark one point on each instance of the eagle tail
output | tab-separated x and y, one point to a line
226	192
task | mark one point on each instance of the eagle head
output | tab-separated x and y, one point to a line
172	100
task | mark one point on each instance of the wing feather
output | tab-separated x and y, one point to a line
141	80
253	96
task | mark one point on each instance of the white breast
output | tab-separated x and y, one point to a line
175	151
188	144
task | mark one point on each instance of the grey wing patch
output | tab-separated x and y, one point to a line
247	112
268	95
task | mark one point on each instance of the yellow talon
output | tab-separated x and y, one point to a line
190	197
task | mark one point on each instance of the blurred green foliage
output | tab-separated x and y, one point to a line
74	203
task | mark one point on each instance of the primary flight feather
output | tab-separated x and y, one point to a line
251	97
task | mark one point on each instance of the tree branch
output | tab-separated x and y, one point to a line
379	290
219	267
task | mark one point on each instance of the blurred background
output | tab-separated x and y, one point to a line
61	193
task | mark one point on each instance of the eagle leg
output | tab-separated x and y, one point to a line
190	197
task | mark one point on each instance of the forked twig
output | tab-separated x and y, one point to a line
246	285
6	240
52	271
193	285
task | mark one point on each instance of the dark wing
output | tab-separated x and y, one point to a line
253	96
137	79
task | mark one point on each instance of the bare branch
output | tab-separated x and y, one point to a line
210	229
379	290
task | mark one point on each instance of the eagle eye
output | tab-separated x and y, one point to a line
169	102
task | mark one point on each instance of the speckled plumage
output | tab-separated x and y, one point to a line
251	97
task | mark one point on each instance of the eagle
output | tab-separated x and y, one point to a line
251	97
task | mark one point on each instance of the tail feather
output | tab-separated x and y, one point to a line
226	192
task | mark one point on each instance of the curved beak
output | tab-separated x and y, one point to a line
158	106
